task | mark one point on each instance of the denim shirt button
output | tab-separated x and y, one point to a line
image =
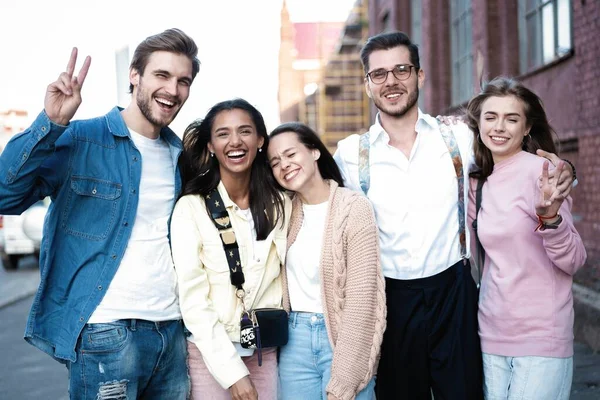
99	287
114	256
81	319
133	191
126	224
43	129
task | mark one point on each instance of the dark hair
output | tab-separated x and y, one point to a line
173	41
387	41
200	172
326	164
540	134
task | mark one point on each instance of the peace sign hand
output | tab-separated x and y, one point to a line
550	196
63	96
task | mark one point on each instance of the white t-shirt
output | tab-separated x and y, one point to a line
303	260
145	285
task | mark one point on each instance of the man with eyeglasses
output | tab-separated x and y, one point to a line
415	172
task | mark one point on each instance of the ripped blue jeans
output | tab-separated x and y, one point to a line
130	359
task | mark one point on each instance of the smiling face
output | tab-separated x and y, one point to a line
503	126
164	88
394	97
294	165
234	140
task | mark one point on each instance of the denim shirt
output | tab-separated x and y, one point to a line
91	170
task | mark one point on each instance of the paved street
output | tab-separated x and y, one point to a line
19	284
26	373
29	374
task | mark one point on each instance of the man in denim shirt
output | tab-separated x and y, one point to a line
107	303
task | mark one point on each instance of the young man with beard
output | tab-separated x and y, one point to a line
404	164
107	304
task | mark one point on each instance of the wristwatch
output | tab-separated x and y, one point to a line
553	225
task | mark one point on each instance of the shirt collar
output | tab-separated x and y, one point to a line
118	127
425	121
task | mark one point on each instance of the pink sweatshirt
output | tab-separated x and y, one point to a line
525	303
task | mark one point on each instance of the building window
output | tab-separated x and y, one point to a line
461	22
386	23
415	16
544	31
416	35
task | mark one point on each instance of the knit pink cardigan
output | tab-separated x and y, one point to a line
352	288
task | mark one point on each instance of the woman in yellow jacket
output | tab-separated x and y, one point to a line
224	151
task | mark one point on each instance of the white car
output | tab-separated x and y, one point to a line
21	235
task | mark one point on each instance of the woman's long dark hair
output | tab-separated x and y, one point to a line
540	135
200	172
326	164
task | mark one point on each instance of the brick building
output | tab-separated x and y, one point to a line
553	46
303	52
333	102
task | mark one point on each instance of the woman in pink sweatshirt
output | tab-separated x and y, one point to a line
531	248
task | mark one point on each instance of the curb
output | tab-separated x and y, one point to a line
586	303
17	285
6	301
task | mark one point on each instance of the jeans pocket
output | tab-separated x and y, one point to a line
104	338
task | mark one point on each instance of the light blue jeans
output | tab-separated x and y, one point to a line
305	362
527	378
130	359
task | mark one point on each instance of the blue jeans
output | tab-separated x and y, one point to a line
527	378
305	362
130	359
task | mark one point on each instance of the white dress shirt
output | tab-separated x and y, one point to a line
415	199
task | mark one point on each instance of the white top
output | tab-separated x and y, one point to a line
303	260
145	285
415	199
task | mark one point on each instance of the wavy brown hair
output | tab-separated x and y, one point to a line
173	41
387	41
200	172
541	134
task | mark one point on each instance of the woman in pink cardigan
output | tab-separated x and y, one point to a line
532	249
333	283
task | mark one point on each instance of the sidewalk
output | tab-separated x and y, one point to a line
586	374
586	303
19	284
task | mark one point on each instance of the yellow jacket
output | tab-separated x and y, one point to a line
210	309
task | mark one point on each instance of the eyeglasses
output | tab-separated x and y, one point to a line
400	71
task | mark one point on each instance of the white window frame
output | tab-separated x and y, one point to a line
416	36
461	58
545	32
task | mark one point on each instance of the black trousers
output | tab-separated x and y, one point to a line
431	341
